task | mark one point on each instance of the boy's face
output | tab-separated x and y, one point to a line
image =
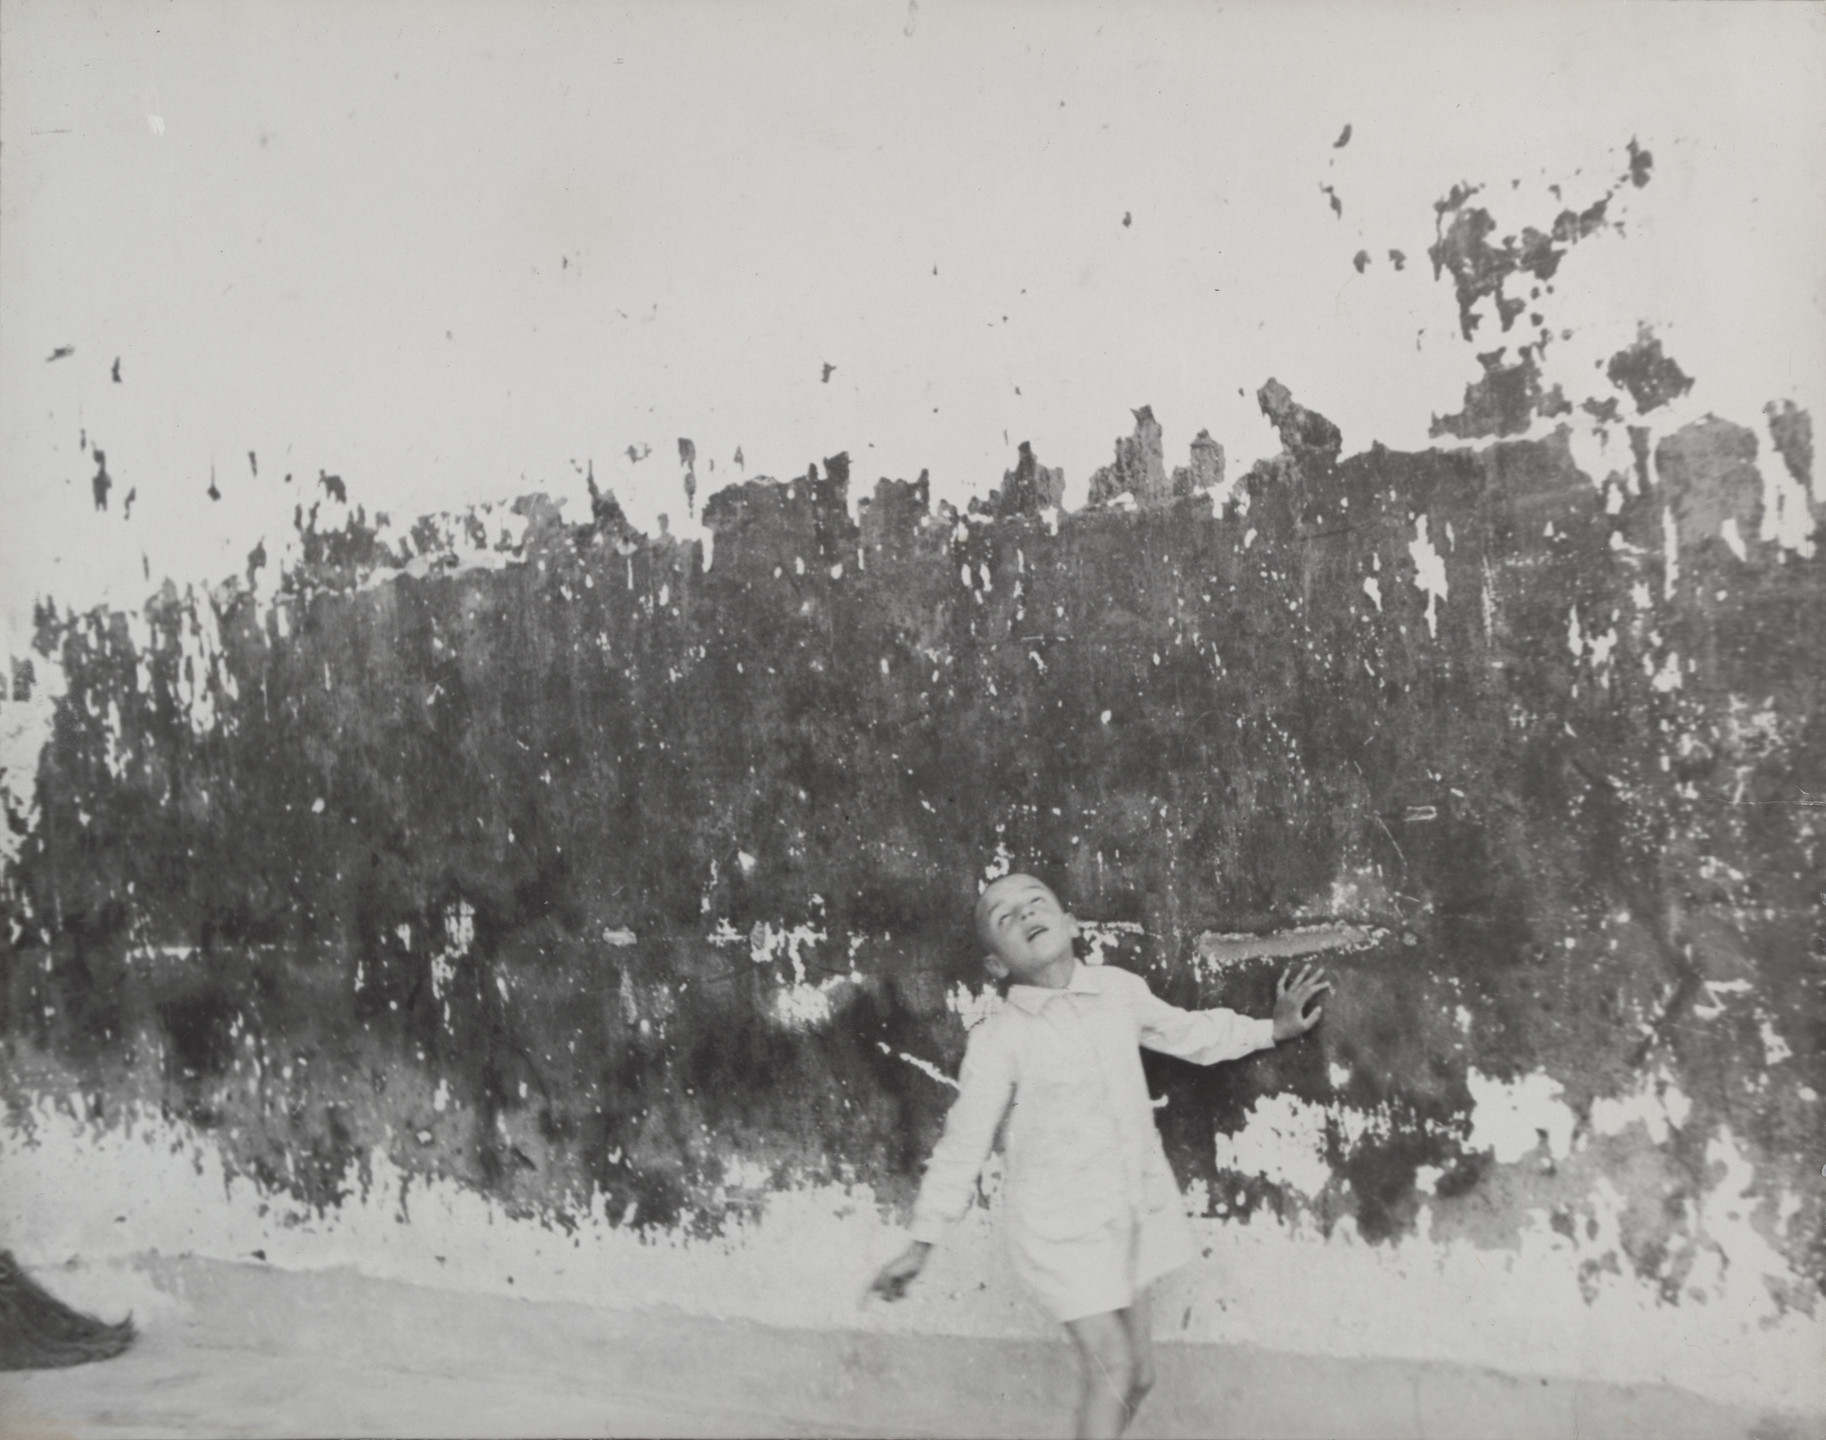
1024	928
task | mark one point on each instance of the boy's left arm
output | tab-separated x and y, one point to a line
1206	1037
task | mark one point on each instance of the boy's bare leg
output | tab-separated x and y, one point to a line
1139	1317
1107	1373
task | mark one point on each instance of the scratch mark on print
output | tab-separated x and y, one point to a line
923	1066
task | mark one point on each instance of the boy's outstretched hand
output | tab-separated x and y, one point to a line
892	1279
1292	994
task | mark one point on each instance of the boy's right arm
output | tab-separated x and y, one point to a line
985	1087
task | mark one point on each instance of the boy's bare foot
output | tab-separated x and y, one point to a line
892	1279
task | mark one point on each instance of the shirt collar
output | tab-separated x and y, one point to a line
1086	980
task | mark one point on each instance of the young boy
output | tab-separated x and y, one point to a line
1094	1213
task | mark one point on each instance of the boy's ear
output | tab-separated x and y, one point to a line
995	966
1071	922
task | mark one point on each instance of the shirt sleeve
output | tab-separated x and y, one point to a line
1202	1036
985	1086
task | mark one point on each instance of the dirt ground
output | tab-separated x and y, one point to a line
245	1350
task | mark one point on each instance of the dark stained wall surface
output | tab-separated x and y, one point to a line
587	871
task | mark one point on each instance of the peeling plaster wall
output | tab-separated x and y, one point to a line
507	901
622	897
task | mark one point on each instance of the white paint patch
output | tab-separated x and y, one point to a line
1670	546
1728	533
767	944
117	754
1283	1141
1514	1118
179	953
1100	935
456	543
999	864
25	728
1589	447
460	928
1760	728
459	935
1372	589
1601	647
156	1186
1355	894
1429	573
1775	1049
1713	1006
202	674
1657	1104
741	1173
621	937
1787	508
1597	647
972	1007
1731	1221
1379	1124
803	1006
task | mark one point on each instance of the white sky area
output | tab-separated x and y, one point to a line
452	252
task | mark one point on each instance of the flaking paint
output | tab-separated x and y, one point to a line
518	886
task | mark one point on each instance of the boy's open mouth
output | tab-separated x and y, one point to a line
1035	930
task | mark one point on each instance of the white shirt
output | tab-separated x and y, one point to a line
1064	1067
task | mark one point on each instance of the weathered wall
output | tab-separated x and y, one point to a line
622	889
608	880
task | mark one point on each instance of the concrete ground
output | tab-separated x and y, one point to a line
244	1350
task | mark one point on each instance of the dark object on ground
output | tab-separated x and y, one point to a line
39	1332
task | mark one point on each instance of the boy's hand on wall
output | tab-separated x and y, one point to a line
1293	994
893	1278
